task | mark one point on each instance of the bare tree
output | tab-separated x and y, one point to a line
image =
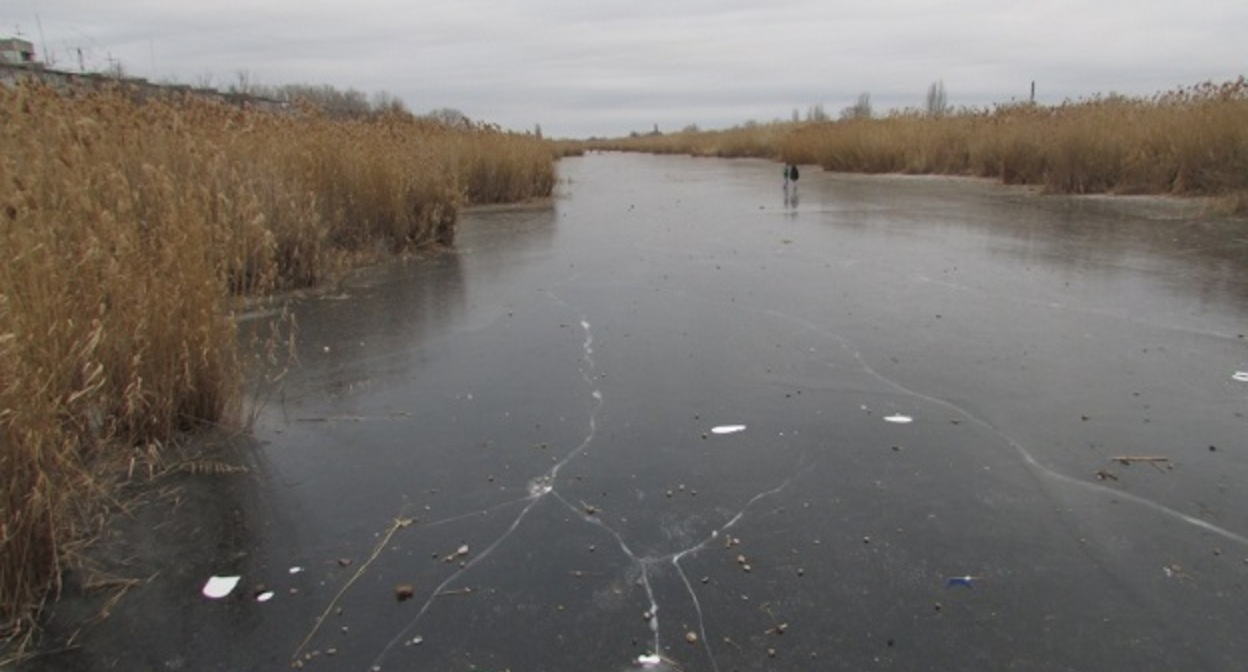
450	117
385	102
203	81
115	68
860	109
244	83
336	104
937	102
817	113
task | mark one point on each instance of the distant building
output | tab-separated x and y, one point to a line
16	51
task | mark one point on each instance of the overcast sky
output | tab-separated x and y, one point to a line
596	67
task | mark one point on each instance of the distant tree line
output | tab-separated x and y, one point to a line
336	103
936	104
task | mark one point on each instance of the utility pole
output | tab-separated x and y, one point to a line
43	42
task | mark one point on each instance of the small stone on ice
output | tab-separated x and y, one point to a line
404	591
691	637
463	550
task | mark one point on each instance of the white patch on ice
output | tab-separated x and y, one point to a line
265	596
540	486
649	659
1241	376
898	419
296	570
220	586
728	429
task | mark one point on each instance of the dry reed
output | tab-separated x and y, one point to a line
129	229
1192	141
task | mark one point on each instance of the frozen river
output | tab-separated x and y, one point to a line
683	419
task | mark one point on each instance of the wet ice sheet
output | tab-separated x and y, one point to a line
665	562
603	511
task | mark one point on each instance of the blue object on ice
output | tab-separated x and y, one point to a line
959	581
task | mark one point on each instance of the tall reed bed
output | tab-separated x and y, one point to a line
498	167
128	231
1189	142
754	140
1192	141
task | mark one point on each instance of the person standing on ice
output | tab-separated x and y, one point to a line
790	174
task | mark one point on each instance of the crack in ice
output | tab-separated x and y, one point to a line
538	489
644	563
1032	463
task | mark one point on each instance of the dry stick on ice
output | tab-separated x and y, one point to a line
1127	460
395	526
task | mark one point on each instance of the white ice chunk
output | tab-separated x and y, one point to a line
265	596
898	419
296	570
728	429
220	586
1241	376
649	659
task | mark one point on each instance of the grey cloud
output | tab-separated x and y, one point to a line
591	66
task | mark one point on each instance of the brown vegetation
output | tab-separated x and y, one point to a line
1193	141
128	229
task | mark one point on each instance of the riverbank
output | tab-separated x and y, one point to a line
132	231
1188	142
